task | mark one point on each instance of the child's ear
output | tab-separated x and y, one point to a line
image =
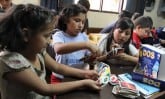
25	33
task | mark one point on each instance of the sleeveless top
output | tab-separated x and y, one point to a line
15	62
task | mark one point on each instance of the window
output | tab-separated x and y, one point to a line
111	5
95	4
106	5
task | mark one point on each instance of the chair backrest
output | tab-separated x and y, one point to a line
95	37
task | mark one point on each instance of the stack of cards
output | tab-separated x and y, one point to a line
126	89
104	73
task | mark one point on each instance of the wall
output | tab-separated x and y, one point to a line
100	19
158	20
26	1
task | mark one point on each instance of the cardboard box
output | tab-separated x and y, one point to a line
152	62
147	80
151	67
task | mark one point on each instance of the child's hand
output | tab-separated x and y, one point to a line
91	74
122	56
101	58
94	49
92	84
114	52
115	45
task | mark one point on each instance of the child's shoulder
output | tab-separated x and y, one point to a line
58	32
14	60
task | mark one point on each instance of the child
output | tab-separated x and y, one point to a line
86	4
25	32
119	37
6	4
142	30
69	43
152	39
122	14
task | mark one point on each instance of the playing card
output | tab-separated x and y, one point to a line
115	51
115	90
113	79
128	86
104	73
119	50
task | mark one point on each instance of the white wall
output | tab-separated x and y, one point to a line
37	2
100	19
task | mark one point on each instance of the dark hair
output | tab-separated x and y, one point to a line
144	22
150	20
16	19
123	23
55	13
66	13
135	16
84	3
125	13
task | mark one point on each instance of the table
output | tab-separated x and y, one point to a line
105	93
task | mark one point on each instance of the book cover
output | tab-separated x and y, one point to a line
152	62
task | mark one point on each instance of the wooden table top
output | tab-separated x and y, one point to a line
105	93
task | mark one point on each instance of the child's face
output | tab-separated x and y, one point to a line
121	36
143	32
5	3
75	24
39	41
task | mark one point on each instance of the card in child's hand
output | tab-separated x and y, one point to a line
119	50
115	51
104	73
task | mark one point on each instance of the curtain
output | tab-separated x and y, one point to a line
135	6
51	4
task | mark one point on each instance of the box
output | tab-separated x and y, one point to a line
151	67
152	62
147	80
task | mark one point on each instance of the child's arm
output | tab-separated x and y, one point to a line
30	80
67	70
63	48
126	57
162	41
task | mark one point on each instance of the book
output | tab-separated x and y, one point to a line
151	62
144	89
